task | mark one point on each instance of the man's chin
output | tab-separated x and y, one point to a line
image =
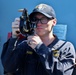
39	34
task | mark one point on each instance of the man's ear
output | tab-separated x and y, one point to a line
54	21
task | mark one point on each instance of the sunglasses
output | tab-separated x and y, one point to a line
43	20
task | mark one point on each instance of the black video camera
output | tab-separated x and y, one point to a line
26	26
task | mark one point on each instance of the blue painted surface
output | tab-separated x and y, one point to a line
60	30
65	11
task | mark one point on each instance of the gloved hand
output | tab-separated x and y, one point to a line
15	28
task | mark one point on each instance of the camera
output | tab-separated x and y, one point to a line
26	26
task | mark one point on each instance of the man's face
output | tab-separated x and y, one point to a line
44	25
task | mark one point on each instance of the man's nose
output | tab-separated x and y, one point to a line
38	22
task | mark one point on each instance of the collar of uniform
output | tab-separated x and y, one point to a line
54	42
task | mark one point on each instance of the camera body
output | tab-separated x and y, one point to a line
26	27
